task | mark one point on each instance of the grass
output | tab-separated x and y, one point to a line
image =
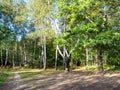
84	69
5	75
28	74
94	68
112	68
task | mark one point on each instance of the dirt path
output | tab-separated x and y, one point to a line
14	84
69	81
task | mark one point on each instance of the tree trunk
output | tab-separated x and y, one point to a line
42	56
34	50
91	58
15	51
13	62
64	57
56	59
1	58
87	57
67	64
6	60
44	49
40	61
96	57
22	58
14	54
24	52
66	60
100	65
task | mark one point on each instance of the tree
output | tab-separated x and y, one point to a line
91	21
39	15
11	13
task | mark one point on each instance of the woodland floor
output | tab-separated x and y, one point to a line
67	81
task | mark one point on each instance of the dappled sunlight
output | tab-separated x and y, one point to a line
74	81
66	81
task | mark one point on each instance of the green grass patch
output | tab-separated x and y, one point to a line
111	68
84	69
5	75
94	68
28	74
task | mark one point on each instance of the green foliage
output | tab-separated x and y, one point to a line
39	9
6	34
6	8
5	75
94	23
91	21
61	41
104	38
116	61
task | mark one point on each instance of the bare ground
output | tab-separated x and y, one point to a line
67	81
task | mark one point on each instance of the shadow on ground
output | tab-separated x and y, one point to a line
75	81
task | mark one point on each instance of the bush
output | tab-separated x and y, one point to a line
114	61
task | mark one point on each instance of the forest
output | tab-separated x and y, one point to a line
60	35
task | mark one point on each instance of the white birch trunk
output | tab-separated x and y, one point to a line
91	58
56	59
6	60
44	48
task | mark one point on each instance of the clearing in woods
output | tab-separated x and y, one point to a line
64	81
